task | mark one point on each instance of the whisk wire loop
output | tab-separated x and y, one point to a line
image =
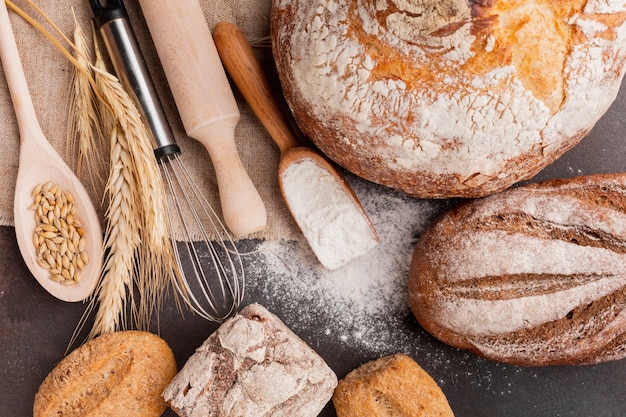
211	279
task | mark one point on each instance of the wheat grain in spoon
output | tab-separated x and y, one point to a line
58	230
322	203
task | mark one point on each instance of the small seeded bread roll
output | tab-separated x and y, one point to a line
252	366
448	98
118	374
390	386
535	275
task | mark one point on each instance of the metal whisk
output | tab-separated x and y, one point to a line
212	278
215	267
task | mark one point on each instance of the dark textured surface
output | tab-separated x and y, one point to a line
35	330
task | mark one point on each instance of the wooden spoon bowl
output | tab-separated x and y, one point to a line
39	164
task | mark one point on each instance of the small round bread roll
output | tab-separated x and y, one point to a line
448	98
390	386
119	374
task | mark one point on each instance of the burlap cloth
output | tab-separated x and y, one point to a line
49	74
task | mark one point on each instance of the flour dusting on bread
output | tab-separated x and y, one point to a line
534	275
252	366
448	98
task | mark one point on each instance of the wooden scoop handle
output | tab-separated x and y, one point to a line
205	102
245	70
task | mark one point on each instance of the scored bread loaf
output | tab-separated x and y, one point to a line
535	275
448	98
117	374
392	386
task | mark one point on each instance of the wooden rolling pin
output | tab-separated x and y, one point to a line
205	102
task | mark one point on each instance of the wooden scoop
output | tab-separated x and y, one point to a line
39	164
324	206
205	102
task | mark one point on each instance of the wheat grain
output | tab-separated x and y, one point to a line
137	241
51	241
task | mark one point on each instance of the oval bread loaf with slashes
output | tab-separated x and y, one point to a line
535	275
117	374
448	98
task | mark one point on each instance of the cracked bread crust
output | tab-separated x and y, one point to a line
451	98
533	276
252	366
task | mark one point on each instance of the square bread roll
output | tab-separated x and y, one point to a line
253	365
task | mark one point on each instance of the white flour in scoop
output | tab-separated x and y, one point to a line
329	218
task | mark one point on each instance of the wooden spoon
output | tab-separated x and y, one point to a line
39	163
329	200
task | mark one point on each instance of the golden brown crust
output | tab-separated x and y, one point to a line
390	386
532	276
118	374
448	98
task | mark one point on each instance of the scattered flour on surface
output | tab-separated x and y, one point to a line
355	299
361	310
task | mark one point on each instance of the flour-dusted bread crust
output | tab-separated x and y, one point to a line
535	275
448	98
252	366
390	386
119	374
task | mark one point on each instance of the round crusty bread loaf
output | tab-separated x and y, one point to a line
535	275
119	374
448	98
390	386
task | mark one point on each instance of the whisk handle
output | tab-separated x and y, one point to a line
112	21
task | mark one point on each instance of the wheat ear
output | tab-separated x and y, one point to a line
155	258
120	240
157	262
123	220
84	135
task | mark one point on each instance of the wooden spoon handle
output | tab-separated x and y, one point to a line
245	70
205	102
14	73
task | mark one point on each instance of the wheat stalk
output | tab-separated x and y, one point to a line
54	41
121	239
84	136
115	285
156	253
155	258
